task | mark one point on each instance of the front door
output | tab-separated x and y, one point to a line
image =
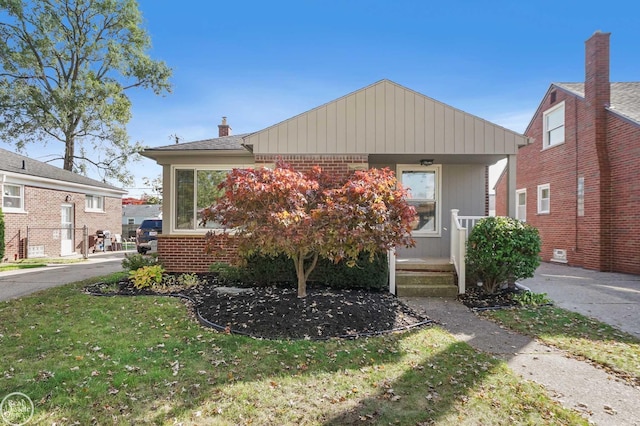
66	230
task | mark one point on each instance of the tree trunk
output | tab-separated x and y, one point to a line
302	278
69	149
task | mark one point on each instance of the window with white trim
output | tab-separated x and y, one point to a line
12	197
553	126
94	203
521	205
195	190
544	198
423	185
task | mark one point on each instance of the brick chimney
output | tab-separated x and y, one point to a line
597	88
597	95
224	129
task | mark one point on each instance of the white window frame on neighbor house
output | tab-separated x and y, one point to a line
521	208
553	121
544	203
437	195
9	201
192	226
94	203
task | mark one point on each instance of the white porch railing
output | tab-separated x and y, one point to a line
460	228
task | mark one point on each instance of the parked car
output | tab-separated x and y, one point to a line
147	235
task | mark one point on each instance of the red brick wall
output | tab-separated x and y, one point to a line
624	155
340	165
43	217
501	194
186	253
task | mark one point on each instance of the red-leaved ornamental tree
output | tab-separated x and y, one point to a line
310	215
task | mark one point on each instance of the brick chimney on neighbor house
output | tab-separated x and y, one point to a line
224	129
597	95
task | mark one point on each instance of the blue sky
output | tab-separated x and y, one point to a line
260	62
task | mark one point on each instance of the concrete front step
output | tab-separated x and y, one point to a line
425	284
433	265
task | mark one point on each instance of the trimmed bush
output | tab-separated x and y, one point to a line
147	276
501	250
268	270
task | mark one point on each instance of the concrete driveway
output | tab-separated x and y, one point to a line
609	297
22	282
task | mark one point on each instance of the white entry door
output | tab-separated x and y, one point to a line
66	230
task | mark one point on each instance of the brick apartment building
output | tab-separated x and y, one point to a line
579	181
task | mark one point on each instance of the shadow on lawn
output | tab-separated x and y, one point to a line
424	393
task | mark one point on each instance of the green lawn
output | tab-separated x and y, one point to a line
143	360
581	336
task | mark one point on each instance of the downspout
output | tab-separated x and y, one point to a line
575	131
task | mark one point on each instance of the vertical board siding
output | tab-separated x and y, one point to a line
361	123
385	118
399	122
378	146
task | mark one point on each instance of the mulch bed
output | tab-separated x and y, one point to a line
277	313
476	299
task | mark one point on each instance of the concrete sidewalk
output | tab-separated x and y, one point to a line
21	282
611	298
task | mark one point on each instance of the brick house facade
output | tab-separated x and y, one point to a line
577	182
46	208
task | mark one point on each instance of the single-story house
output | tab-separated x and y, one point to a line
47	209
441	153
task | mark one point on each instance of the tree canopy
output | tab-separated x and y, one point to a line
310	215
65	68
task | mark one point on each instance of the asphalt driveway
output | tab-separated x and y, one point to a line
22	282
609	297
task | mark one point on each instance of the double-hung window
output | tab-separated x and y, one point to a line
196	189
423	185
94	203
12	197
553	121
544	199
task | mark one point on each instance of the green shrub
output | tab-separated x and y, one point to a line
501	250
136	261
230	274
147	276
268	270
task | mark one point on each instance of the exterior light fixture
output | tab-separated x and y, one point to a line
426	161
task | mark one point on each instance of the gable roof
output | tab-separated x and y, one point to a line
225	143
11	162
385	118
625	97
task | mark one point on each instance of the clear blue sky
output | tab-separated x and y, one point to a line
260	62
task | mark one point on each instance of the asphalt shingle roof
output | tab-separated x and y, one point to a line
12	162
625	97
228	143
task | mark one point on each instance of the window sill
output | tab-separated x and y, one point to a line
544	148
14	211
93	211
544	213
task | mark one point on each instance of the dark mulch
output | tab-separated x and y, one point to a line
475	298
277	313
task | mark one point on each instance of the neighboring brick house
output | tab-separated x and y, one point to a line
45	208
578	183
441	153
